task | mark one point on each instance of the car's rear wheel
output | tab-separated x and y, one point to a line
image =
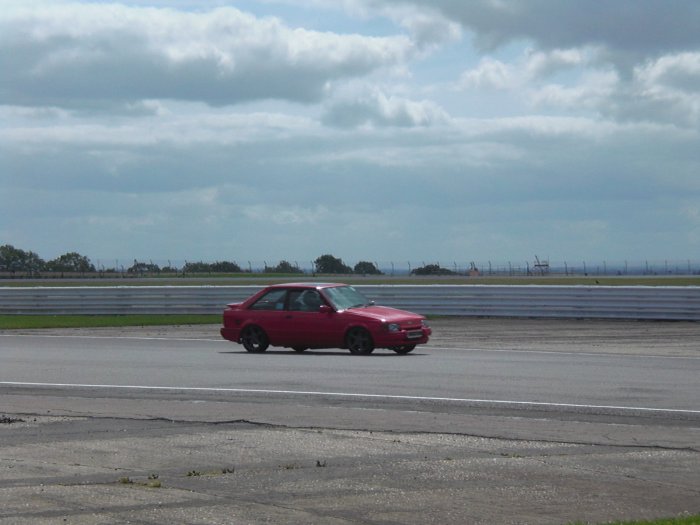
403	349
359	341
254	339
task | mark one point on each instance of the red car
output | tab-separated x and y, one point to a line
306	315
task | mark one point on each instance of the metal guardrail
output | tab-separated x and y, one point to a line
611	302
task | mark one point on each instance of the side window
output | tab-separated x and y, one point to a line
295	302
304	300
272	300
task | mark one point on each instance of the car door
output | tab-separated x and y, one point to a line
307	326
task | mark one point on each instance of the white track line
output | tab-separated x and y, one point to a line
354	395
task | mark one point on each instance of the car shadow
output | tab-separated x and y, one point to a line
313	353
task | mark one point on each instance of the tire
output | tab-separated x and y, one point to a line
403	349
359	341
299	349
254	339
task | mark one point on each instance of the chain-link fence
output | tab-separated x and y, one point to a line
397	268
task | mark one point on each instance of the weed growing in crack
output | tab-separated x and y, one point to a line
152	483
5	420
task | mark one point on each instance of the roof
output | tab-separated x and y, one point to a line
306	285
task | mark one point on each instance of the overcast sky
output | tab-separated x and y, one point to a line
381	130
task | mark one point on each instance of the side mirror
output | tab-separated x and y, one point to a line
325	309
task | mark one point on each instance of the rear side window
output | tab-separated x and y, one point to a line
272	300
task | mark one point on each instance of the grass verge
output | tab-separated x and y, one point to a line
15	322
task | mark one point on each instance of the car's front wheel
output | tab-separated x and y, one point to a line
403	349
254	339
359	341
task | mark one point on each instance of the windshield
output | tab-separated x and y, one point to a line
344	297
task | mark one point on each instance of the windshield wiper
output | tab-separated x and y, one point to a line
362	305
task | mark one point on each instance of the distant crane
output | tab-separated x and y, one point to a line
541	266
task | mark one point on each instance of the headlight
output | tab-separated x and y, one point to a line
393	327
425	323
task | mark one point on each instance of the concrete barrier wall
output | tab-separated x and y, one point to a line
611	302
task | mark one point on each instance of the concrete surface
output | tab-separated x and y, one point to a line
88	457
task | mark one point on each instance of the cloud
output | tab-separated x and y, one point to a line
530	68
592	93
542	64
671	85
302	191
285	215
639	26
489	74
665	90
381	110
71	55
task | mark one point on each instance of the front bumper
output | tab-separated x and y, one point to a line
417	336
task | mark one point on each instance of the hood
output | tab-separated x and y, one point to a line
385	313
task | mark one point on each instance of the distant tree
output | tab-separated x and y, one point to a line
366	268
196	267
141	268
330	264
15	260
11	258
283	267
225	267
432	269
70	262
217	267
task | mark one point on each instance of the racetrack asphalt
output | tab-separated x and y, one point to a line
83	454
